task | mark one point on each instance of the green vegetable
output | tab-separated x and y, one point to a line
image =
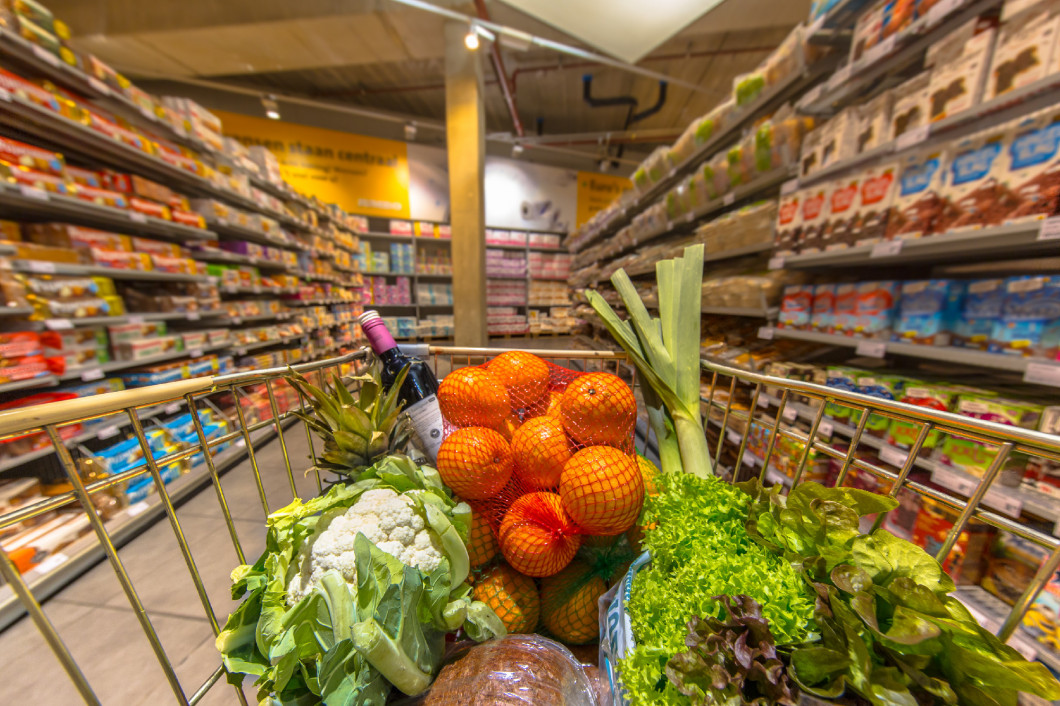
889	630
731	661
666	354
343	643
693	561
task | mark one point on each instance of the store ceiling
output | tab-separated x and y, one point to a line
384	55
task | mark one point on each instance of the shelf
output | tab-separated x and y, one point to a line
549	279
1021	238
232	230
30	203
891	56
947	354
990	611
649	268
766	313
387	274
767	102
60	268
238	320
120	365
388	236
41	381
127	523
244	348
435	275
232	258
256	289
521	278
16	310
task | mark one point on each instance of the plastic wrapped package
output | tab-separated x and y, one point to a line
747	87
516	670
786	60
652	169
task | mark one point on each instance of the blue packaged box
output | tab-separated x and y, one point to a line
875	308
1030	317
981	311
928	311
795	306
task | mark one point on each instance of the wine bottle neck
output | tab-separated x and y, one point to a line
378	336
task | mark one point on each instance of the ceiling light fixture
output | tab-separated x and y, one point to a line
471	38
272	108
517	150
410	132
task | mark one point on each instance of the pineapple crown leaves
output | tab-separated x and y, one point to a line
357	430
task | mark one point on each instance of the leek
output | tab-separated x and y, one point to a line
665	352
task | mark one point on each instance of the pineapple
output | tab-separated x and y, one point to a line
357	432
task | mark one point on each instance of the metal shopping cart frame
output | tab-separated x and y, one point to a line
723	386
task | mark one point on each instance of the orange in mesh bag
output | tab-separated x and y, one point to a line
552	414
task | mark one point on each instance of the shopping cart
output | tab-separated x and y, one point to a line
732	405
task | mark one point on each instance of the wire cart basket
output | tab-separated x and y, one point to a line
756	424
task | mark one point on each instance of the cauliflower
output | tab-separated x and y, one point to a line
388	519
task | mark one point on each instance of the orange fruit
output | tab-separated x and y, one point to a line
569	605
512	596
539	450
648	471
481	544
598	409
537	536
602	490
524	374
475	462
472	397
547	405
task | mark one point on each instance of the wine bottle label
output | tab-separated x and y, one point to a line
426	419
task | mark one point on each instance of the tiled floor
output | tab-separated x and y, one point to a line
95	619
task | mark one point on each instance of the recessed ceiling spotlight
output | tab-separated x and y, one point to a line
410	132
272	108
471	38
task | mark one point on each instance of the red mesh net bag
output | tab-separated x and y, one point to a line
543	454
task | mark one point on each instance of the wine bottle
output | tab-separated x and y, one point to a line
420	389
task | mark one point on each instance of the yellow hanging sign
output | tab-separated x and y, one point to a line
363	175
597	191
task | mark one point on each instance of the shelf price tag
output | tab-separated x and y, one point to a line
136	319
32	192
825	429
193	316
98	86
954	481
776	263
733	437
887	248
58	324
41	267
172	408
750	459
789	187
765	333
892	456
195	353
46	56
1006	504
790	414
107	432
763	401
912	137
137	217
1042	374
1050	229
52	563
840	77
872	349
729	199
92	374
776	477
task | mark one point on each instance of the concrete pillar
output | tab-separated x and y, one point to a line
465	128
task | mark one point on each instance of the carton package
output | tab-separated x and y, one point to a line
975	181
912	105
789	224
981	311
873	122
845	311
962	40
1030	317
875	199
867	30
842	212
814	218
897	16
919	204
875	308
839	138
958	81
23	155
1033	171
810	154
64	235
1026	46
928	311
822	312
795	306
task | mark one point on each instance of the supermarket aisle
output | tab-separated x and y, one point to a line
95	619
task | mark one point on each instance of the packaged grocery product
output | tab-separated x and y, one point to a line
120	333
958	85
844	317
173	265
885	387
789	224
1013	563
839	138
122	260
1025	48
973	456
75	339
902	433
967	561
814	218
156	247
975	181
141	348
796	305
58	287
1032	175
149	208
928	311
27	90
23	368
846	379
875	200
897	16
875	308
48	253
33	178
983	302
511	671
912	105
867	30
747	87
873	122
1030	317
919	204
810	154
19	344
838	232
84	177
822	312
103	197
23	155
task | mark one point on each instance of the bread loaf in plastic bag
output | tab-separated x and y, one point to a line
516	670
